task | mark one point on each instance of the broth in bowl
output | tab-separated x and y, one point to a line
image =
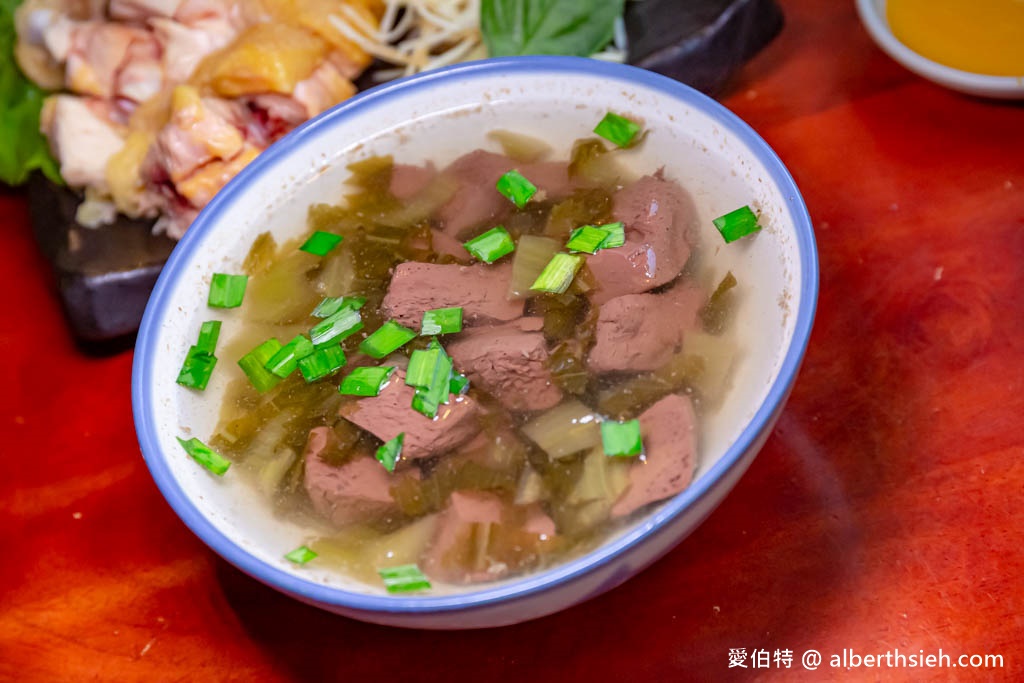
462	374
269	532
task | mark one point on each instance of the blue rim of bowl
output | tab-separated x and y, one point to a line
530	585
877	25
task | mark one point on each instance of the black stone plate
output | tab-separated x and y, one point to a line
104	276
699	42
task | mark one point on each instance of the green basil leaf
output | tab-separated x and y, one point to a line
548	27
22	147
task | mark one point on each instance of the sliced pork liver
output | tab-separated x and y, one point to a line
357	491
407	180
445	244
515	535
642	331
658	217
509	362
478	203
669	434
390	413
481	290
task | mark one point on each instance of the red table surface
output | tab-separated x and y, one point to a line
883	512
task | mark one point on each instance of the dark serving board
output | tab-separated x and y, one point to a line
699	42
104	276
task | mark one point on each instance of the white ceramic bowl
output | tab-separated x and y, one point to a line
873	15
439	116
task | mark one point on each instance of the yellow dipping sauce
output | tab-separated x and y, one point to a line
981	36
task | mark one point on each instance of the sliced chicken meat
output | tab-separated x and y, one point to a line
142	73
98	50
201	130
185	45
82	136
142	10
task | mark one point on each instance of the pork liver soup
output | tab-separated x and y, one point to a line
511	475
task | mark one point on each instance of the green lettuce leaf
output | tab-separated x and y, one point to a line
548	27
23	148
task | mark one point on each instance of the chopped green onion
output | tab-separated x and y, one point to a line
333	304
421	366
587	238
404	579
227	291
737	224
209	332
430	372
253	363
366	381
516	187
532	254
322	362
321	243
423	402
616	235
442	321
301	555
388	454
205	456
593	238
388	338
558	274
617	129
459	384
429	398
286	360
197	368
492	245
336	327
621	438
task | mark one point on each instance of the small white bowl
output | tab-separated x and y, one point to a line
873	16
439	116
